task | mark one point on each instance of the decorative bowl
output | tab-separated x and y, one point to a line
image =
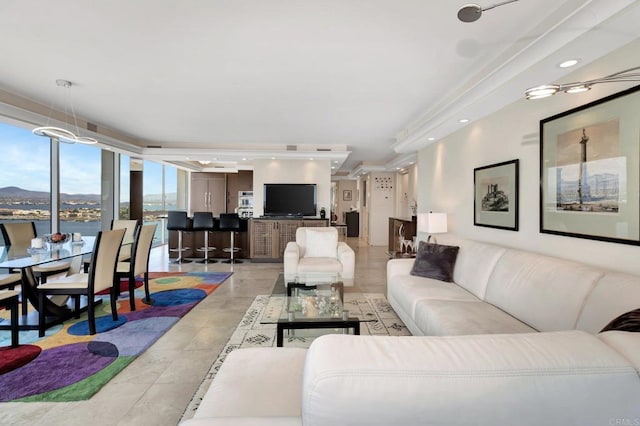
57	239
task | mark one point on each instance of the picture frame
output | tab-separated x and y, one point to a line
590	170
347	195
496	189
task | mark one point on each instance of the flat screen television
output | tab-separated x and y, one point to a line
289	199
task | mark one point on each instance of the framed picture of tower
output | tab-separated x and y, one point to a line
590	170
496	195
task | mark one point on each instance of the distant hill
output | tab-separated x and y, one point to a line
15	193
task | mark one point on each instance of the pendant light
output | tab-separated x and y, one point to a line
64	135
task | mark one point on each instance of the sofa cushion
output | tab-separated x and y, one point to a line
435	261
321	243
454	318
627	344
474	264
544	292
498	379
319	264
256	382
614	294
408	290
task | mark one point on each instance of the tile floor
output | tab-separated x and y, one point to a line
156	387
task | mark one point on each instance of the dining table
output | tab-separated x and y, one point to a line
23	259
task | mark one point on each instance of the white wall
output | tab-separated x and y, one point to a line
292	171
446	170
381	205
346	206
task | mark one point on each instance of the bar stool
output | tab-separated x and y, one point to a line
230	222
178	221
203	221
9	300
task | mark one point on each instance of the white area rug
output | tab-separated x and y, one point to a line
250	333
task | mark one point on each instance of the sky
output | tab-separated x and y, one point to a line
25	163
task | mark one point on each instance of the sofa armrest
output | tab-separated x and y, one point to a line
243	421
399	267
291	258
347	258
481	379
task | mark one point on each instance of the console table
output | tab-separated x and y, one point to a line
269	236
408	226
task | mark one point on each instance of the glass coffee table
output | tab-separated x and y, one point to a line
309	301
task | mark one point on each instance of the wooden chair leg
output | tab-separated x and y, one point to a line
146	289
76	307
132	293
92	317
14	324
114	307
41	316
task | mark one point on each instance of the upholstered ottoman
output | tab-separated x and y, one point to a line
255	386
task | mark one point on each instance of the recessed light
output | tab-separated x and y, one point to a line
463	120
244	159
333	167
397	168
431	139
568	63
335	161
273	158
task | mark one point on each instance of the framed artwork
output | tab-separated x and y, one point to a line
589	170
496	195
347	195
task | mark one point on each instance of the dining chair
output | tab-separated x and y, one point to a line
137	265
125	251
9	282
9	300
20	234
101	276
131	226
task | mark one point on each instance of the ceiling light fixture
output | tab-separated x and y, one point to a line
569	63
58	133
204	162
472	12
463	120
539	92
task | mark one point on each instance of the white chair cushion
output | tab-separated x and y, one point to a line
319	264
10	279
72	281
321	243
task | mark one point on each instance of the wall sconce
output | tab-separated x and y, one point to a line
432	223
547	90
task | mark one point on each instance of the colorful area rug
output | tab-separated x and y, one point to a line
68	364
251	334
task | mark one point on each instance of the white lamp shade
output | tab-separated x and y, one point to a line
432	223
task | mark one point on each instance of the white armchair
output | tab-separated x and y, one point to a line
317	249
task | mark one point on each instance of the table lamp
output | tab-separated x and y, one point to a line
432	223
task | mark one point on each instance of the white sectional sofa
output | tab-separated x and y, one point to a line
514	340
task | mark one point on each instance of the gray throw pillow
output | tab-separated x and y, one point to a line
435	261
629	321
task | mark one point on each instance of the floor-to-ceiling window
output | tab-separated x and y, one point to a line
125	190
80	188
25	182
160	185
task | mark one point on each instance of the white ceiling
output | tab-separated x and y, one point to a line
370	79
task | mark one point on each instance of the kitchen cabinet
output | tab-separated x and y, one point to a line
269	237
208	193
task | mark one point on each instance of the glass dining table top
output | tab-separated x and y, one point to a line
19	257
